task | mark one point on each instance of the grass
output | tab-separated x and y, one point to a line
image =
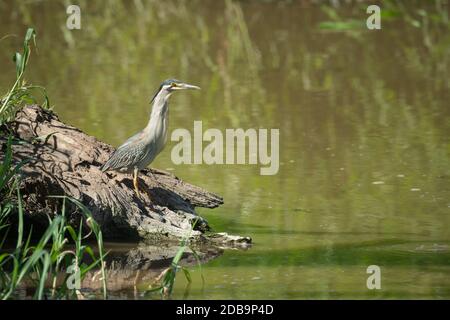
42	263
20	92
164	284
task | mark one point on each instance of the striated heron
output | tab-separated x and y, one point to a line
142	148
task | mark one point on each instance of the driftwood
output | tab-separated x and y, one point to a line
65	161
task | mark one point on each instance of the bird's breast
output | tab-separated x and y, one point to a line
161	134
156	132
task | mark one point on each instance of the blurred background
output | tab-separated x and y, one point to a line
364	123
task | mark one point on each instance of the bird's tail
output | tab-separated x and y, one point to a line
105	166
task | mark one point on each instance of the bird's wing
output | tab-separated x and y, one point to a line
127	155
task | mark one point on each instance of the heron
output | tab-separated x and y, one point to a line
141	149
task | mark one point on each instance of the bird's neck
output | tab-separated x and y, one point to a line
159	112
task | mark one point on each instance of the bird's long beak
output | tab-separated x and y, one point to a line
187	86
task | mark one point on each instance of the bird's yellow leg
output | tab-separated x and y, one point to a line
135	181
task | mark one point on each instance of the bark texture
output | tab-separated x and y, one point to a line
62	160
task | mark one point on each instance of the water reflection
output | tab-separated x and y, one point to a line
134	268
132	271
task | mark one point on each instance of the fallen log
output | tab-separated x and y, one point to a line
65	161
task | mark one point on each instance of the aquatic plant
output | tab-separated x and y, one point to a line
20	92
165	282
34	263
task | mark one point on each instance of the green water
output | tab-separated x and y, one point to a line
364	125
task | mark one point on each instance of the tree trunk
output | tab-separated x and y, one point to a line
65	161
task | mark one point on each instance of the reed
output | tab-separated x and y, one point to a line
39	263
20	92
164	284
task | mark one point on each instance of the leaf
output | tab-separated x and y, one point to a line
187	274
44	274
18	60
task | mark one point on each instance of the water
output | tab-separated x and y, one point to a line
364	125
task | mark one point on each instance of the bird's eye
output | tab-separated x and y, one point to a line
173	84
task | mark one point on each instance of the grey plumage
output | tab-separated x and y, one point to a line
141	149
128	155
